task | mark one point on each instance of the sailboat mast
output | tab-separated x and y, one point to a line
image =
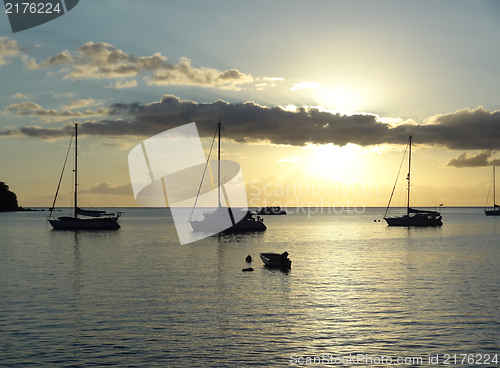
76	169
218	168
409	170
494	194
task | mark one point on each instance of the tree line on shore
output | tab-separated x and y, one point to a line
8	199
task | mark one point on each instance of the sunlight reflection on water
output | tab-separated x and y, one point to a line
136	297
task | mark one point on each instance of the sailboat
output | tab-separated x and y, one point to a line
92	219
496	208
413	217
212	220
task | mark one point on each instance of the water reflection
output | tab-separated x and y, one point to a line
77	284
137	297
77	268
238	237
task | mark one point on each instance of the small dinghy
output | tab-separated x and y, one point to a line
276	260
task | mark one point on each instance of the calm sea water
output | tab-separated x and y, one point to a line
137	298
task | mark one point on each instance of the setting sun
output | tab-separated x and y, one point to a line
344	164
338	99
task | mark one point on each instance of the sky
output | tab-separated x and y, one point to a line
317	99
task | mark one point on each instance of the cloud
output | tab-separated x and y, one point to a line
24	106
75	104
299	86
63	58
121	144
184	73
104	188
477	129
262	83
8	48
273	79
467	129
481	159
248	122
33	109
20	95
102	60
120	85
35	131
68	95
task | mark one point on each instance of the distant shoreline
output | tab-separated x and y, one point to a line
28	209
38	209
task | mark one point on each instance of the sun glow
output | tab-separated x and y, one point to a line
337	99
344	164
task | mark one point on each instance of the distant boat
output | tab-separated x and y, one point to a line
413	217
495	211
275	210
276	260
92	219
212	220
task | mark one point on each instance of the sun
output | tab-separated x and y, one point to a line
337	99
343	164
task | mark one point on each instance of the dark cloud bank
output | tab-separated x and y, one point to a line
466	129
481	159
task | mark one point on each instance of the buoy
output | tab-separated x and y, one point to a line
249	269
248	259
